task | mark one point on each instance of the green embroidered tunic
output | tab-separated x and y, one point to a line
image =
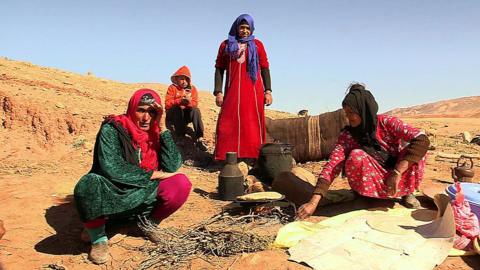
113	185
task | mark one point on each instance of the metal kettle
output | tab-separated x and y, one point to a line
230	180
463	172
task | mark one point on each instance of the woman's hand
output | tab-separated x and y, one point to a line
219	99
392	181
307	209
160	116
268	98
160	175
392	184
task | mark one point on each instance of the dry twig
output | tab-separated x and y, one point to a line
220	236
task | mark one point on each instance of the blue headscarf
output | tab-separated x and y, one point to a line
232	45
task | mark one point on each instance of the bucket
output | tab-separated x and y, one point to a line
472	195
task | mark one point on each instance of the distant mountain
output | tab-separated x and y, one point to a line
457	108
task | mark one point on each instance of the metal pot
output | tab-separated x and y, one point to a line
230	180
273	159
464	172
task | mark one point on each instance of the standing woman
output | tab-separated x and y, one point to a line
382	156
241	123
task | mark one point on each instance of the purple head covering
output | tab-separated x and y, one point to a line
232	46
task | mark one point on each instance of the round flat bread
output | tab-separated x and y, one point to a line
390	224
268	195
243	167
305	175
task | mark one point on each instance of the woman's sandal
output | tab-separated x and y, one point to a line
409	201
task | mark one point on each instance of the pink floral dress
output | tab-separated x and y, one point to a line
365	175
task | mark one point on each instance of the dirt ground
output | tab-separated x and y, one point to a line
49	119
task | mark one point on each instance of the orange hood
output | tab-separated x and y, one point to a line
182	71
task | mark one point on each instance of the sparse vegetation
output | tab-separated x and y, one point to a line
47	233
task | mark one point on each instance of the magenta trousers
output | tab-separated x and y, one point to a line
172	193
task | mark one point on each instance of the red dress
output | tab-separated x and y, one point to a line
365	175
241	122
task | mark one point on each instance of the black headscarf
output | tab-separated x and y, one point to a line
362	102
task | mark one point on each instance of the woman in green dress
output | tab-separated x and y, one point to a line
134	164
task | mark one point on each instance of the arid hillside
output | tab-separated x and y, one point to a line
44	107
48	122
457	108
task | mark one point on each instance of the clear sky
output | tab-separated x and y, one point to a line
407	52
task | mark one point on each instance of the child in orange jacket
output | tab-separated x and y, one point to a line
181	103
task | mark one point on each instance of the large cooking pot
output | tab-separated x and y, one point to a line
273	159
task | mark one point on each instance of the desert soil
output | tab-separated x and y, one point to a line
49	119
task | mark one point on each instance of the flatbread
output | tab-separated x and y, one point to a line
305	175
243	167
268	195
401	224
386	224
390	224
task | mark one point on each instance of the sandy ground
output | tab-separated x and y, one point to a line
48	125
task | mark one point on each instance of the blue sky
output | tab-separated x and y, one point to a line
407	52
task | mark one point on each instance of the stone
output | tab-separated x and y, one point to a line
467	137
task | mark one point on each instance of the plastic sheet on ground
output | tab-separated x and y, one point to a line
393	239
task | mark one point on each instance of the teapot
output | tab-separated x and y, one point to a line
464	172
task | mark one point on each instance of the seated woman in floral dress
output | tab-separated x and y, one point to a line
382	157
